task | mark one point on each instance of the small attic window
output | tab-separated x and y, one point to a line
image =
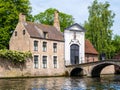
15	33
23	32
45	34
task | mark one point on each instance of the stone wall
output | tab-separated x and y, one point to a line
10	69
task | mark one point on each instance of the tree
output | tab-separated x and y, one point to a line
98	27
47	17
116	43
9	12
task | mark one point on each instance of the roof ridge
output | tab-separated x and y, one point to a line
39	23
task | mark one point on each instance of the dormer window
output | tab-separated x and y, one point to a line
23	32
15	33
45	34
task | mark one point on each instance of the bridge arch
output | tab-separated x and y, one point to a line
96	70
76	72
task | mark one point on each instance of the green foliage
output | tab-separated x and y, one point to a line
9	12
15	56
99	26
47	17
116	43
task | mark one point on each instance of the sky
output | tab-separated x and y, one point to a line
78	9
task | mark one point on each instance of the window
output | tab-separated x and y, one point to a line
44	46
35	45
45	34
44	61
15	33
55	61
55	47
23	32
35	61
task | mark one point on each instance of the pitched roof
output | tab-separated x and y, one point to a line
75	27
36	31
89	49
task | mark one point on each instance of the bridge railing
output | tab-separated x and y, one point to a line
67	63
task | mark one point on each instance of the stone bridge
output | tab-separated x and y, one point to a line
91	69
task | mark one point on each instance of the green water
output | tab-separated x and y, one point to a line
108	82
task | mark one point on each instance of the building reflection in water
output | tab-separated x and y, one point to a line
62	83
74	84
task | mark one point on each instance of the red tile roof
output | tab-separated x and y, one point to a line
36	31
89	49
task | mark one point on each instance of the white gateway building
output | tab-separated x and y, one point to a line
74	37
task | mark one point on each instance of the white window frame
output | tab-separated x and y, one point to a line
44	65
35	46
55	48
44	48
36	66
55	65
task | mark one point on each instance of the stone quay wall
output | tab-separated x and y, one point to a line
10	69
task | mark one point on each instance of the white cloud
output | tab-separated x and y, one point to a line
77	8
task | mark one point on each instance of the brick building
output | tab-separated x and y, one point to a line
91	55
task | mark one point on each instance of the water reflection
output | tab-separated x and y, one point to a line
62	83
47	83
74	83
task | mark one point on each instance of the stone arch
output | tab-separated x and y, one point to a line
96	70
76	72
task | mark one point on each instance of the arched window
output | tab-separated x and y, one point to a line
74	54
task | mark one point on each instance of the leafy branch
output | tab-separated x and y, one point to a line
15	56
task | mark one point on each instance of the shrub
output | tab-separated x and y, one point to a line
15	56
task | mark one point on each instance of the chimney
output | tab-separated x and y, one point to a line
22	17
56	20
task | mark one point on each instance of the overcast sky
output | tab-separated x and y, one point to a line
77	8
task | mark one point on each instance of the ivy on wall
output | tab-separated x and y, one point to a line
15	56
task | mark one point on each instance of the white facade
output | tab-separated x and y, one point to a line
74	35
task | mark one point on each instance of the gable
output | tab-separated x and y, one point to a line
76	27
19	31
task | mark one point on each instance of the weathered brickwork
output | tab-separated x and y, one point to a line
9	69
91	58
20	42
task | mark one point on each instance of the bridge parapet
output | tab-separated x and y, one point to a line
94	63
97	66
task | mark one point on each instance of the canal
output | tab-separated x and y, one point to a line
106	82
